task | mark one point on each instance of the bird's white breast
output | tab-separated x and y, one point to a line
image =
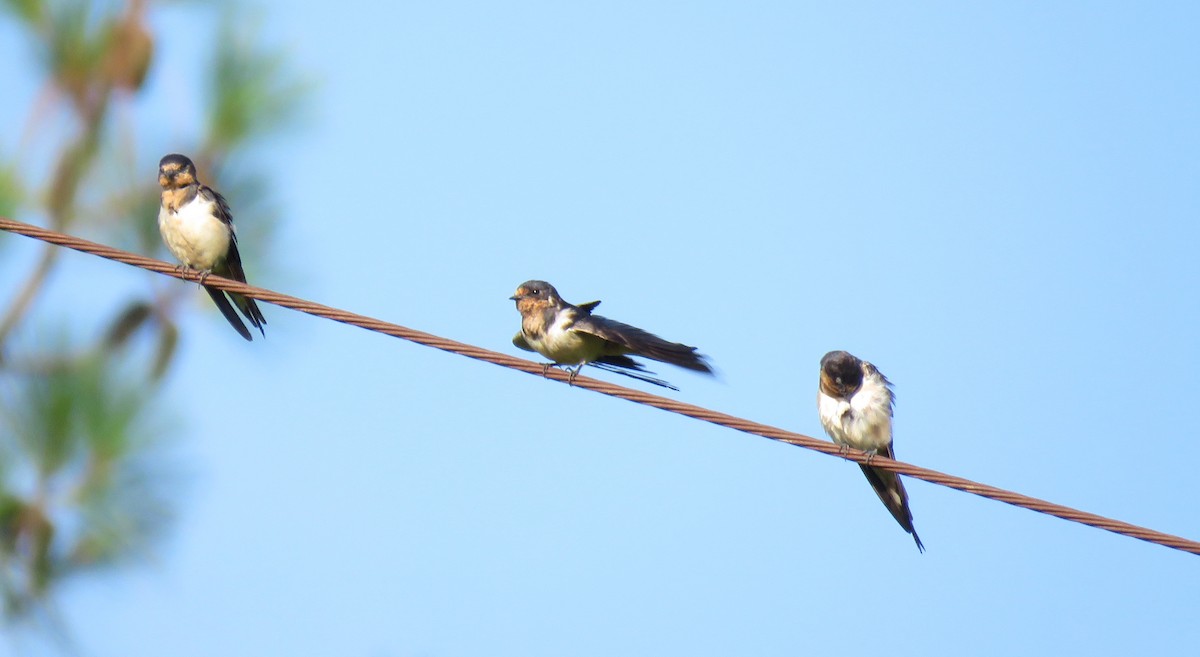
864	422
563	345
195	235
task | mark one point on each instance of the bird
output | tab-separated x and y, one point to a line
855	400
197	227
571	335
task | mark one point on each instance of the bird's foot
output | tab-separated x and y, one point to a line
185	270
871	454
204	274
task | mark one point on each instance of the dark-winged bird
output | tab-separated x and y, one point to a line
571	335
197	227
855	403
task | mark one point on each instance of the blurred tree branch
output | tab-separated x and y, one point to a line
83	483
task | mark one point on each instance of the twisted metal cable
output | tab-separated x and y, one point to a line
603	387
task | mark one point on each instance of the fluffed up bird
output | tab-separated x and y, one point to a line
855	403
197	227
571	335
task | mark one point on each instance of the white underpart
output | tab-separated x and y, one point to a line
194	234
562	345
864	422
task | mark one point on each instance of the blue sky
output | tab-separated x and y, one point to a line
996	203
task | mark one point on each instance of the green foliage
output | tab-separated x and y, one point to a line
82	486
28	11
11	190
252	89
84	483
75	48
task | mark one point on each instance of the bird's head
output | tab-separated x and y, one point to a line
841	374
176	171
532	295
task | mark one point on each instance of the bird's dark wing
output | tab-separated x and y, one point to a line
891	492
223	211
621	360
588	307
643	343
233	269
233	264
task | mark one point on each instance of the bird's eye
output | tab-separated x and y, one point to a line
535	292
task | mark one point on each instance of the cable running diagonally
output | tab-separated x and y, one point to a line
603	387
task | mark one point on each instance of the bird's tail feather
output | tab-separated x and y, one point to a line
891	492
251	311
218	297
635	371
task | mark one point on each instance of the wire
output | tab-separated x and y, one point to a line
596	385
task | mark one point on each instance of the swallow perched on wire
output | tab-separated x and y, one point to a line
855	402
571	335
197	227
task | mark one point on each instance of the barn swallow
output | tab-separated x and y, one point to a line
197	227
855	402
571	335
